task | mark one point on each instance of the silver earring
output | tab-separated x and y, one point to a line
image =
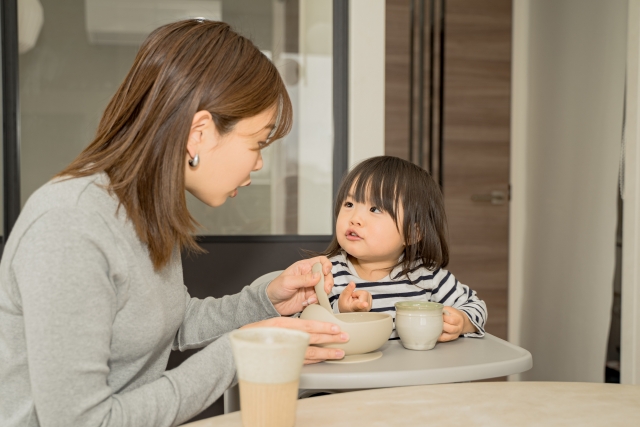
194	162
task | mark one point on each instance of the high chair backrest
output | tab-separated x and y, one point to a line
266	277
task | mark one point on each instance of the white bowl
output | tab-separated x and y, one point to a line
367	331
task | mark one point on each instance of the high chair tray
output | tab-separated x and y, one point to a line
465	359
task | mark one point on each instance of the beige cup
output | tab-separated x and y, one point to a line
419	324
268	361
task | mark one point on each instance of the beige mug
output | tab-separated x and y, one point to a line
268	362
419	323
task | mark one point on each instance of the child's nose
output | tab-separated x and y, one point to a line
355	220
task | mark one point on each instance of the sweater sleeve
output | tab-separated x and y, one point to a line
207	319
66	267
449	291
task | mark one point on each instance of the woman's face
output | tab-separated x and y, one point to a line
226	161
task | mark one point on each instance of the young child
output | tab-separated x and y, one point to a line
391	243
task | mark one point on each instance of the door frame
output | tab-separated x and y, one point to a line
10	115
630	317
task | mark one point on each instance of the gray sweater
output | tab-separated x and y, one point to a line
87	324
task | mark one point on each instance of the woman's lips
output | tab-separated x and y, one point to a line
234	193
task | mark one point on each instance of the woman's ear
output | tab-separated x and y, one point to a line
202	127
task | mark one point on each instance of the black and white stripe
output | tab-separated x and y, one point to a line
420	284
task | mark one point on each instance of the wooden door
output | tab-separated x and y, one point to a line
477	79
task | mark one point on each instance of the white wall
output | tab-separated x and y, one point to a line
366	79
569	65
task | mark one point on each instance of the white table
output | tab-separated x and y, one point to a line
465	359
496	404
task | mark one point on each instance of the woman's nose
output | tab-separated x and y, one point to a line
259	163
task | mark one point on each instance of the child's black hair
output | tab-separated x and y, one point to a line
388	183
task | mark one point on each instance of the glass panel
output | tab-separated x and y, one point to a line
85	48
66	80
292	193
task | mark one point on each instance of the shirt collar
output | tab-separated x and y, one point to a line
394	274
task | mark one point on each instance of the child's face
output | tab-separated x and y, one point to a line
368	234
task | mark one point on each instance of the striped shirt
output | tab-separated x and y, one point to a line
420	284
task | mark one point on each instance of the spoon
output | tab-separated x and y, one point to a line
323	299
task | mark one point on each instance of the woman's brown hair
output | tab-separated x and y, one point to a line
390	183
180	69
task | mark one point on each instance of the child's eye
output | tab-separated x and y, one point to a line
348	204
375	210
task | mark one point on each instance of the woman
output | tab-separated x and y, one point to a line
91	293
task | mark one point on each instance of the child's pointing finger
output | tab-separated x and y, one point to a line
348	291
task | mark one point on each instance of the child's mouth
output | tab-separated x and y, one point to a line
352	235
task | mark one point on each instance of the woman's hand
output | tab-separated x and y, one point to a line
319	332
352	300
456	323
292	290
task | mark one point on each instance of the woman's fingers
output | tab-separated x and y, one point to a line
328	282
319	333
326	264
319	354
328	339
307	280
311	298
323	332
326	270
300	274
316	327
293	290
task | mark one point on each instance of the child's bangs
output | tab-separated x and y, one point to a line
378	189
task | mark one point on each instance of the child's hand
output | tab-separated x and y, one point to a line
456	323
352	300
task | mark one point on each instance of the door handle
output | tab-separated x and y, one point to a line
495	197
